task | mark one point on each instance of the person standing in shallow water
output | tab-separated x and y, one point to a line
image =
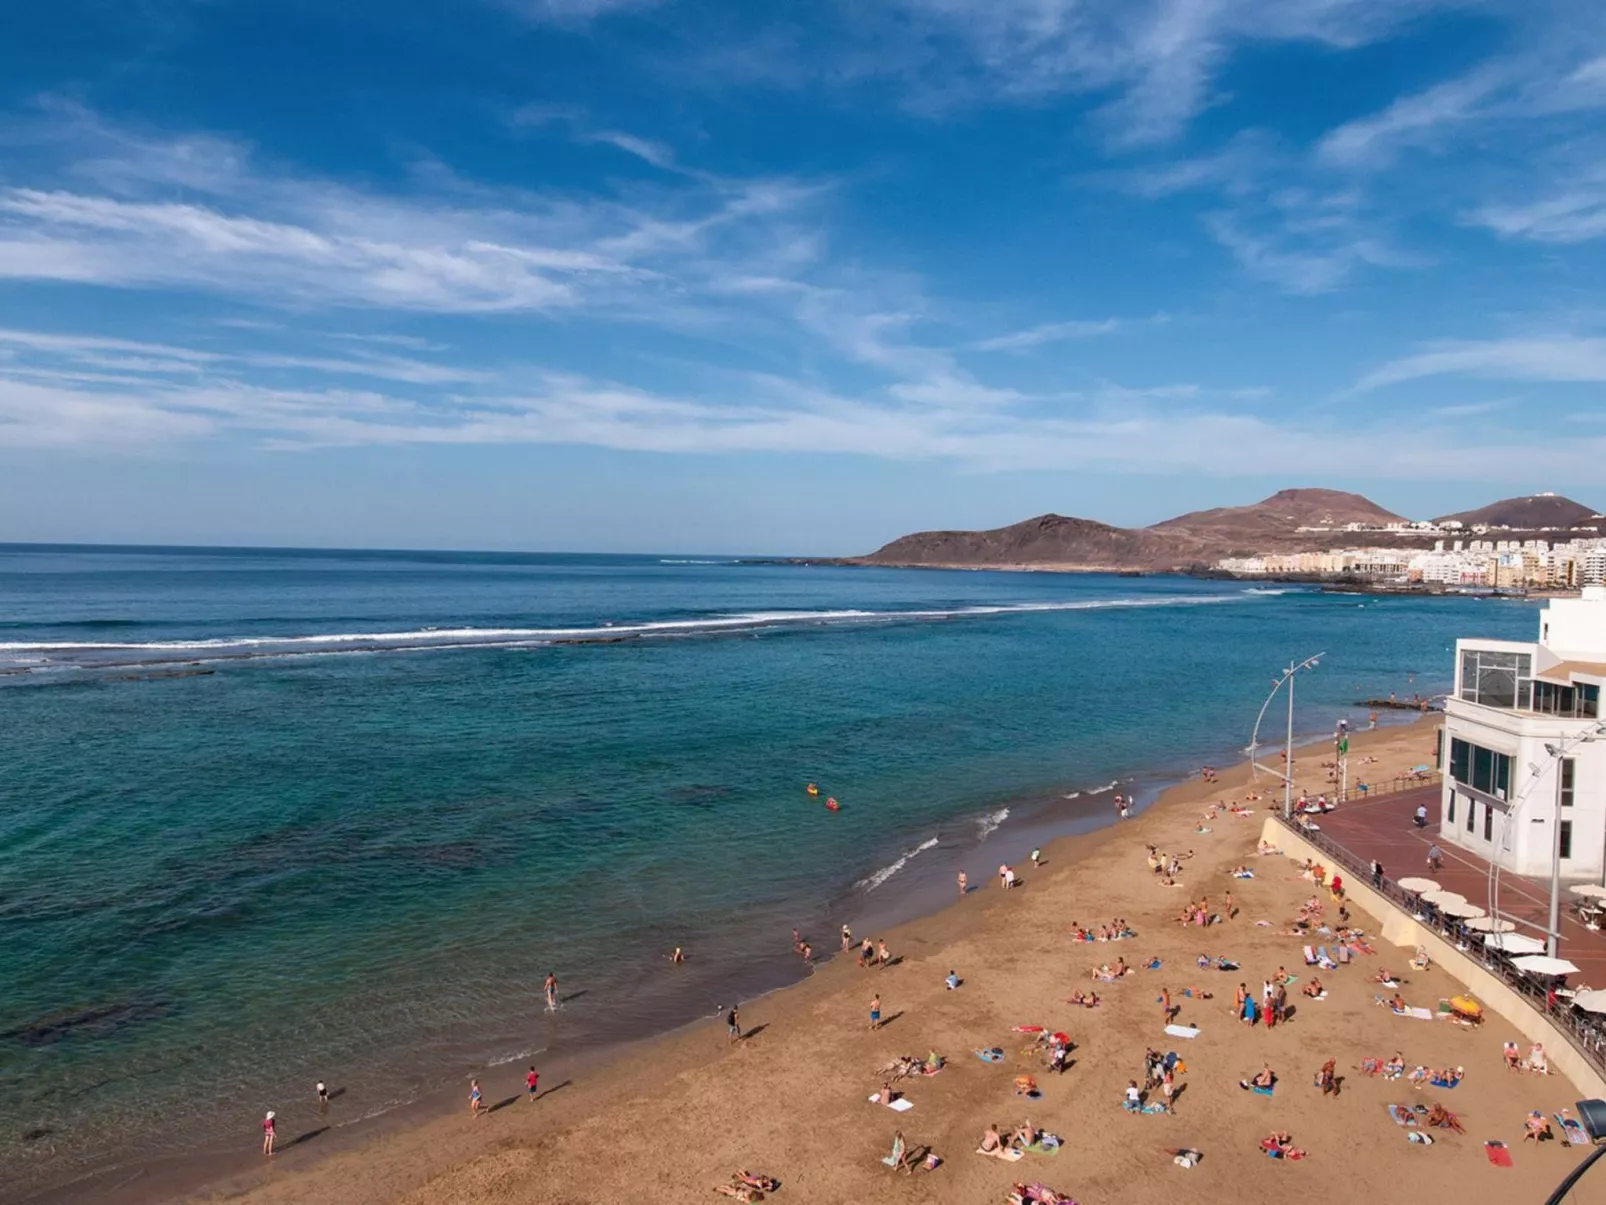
269	1134
550	987
964	884
323	1096
733	1024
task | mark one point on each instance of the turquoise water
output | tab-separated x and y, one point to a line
391	791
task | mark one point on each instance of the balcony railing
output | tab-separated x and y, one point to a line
1584	1031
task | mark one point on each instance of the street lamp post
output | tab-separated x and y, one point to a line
1286	679
1558	753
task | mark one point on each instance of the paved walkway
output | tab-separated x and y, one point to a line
1384	829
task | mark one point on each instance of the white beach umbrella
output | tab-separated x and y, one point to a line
1490	924
1441	898
1462	910
1513	943
1589	891
1590	1001
1419	884
1543	964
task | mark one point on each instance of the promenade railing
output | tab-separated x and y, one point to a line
1586	1032
1391	786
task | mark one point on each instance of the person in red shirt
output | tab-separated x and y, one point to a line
268	1134
533	1079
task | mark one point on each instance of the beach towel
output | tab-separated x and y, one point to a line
1419	1014
1310	956
1030	1029
994	1055
1010	1155
1419	1137
1445	1083
1259	1091
902	1105
1243	874
1182	1031
1038	1148
1571	1128
1498	1153
1401	1115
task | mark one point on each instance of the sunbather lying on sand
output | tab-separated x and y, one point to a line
1085	999
1261	1079
1313	989
992	1143
741	1192
1279	1144
1439	1116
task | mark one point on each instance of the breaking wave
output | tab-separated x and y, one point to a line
23	654
886	872
987	825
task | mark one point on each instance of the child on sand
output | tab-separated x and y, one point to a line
875	1012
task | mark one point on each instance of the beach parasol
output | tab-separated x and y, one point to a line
1543	964
1490	924
1462	909
1589	891
1441	898
1419	884
1513	943
1590	1001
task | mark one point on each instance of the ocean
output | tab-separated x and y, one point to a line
269	817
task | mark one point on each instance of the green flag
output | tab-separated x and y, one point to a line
1343	745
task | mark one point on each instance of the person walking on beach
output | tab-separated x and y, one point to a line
268	1133
866	953
875	1012
964	884
476	1099
532	1080
847	939
323	1096
733	1026
1165	1004
1037	858
883	955
550	987
1168	1091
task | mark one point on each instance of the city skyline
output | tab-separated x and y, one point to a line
658	275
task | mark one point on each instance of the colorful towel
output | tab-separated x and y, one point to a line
1571	1128
1259	1091
1401	1115
994	1055
1498	1153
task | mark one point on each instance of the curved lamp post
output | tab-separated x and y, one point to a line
1286	679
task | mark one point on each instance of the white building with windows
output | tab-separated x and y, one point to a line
1524	750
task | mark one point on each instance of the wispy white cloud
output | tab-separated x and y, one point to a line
1576	213
1414	120
574	12
1556	358
1048	332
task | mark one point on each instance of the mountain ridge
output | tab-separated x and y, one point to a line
1190	541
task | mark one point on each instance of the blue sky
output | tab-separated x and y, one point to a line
788	277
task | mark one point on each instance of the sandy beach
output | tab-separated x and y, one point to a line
672	1118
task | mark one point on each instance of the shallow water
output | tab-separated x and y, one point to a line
392	790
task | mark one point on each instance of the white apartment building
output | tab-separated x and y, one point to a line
1525	745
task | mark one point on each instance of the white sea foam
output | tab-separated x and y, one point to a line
1268	590
516	1056
988	824
419	639
886	872
1074	795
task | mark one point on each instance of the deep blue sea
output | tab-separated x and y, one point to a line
271	817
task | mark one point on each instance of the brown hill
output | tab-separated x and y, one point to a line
1533	513
1045	540
1280	515
1188	540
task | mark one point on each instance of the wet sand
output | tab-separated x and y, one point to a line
668	1119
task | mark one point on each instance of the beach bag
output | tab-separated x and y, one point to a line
1186	1159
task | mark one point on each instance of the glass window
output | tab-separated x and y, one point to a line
1452	808
1488	823
1460	760
1472	812
1497	679
1566	782
1566	838
1483	768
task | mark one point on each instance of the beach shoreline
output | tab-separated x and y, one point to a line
314	1140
